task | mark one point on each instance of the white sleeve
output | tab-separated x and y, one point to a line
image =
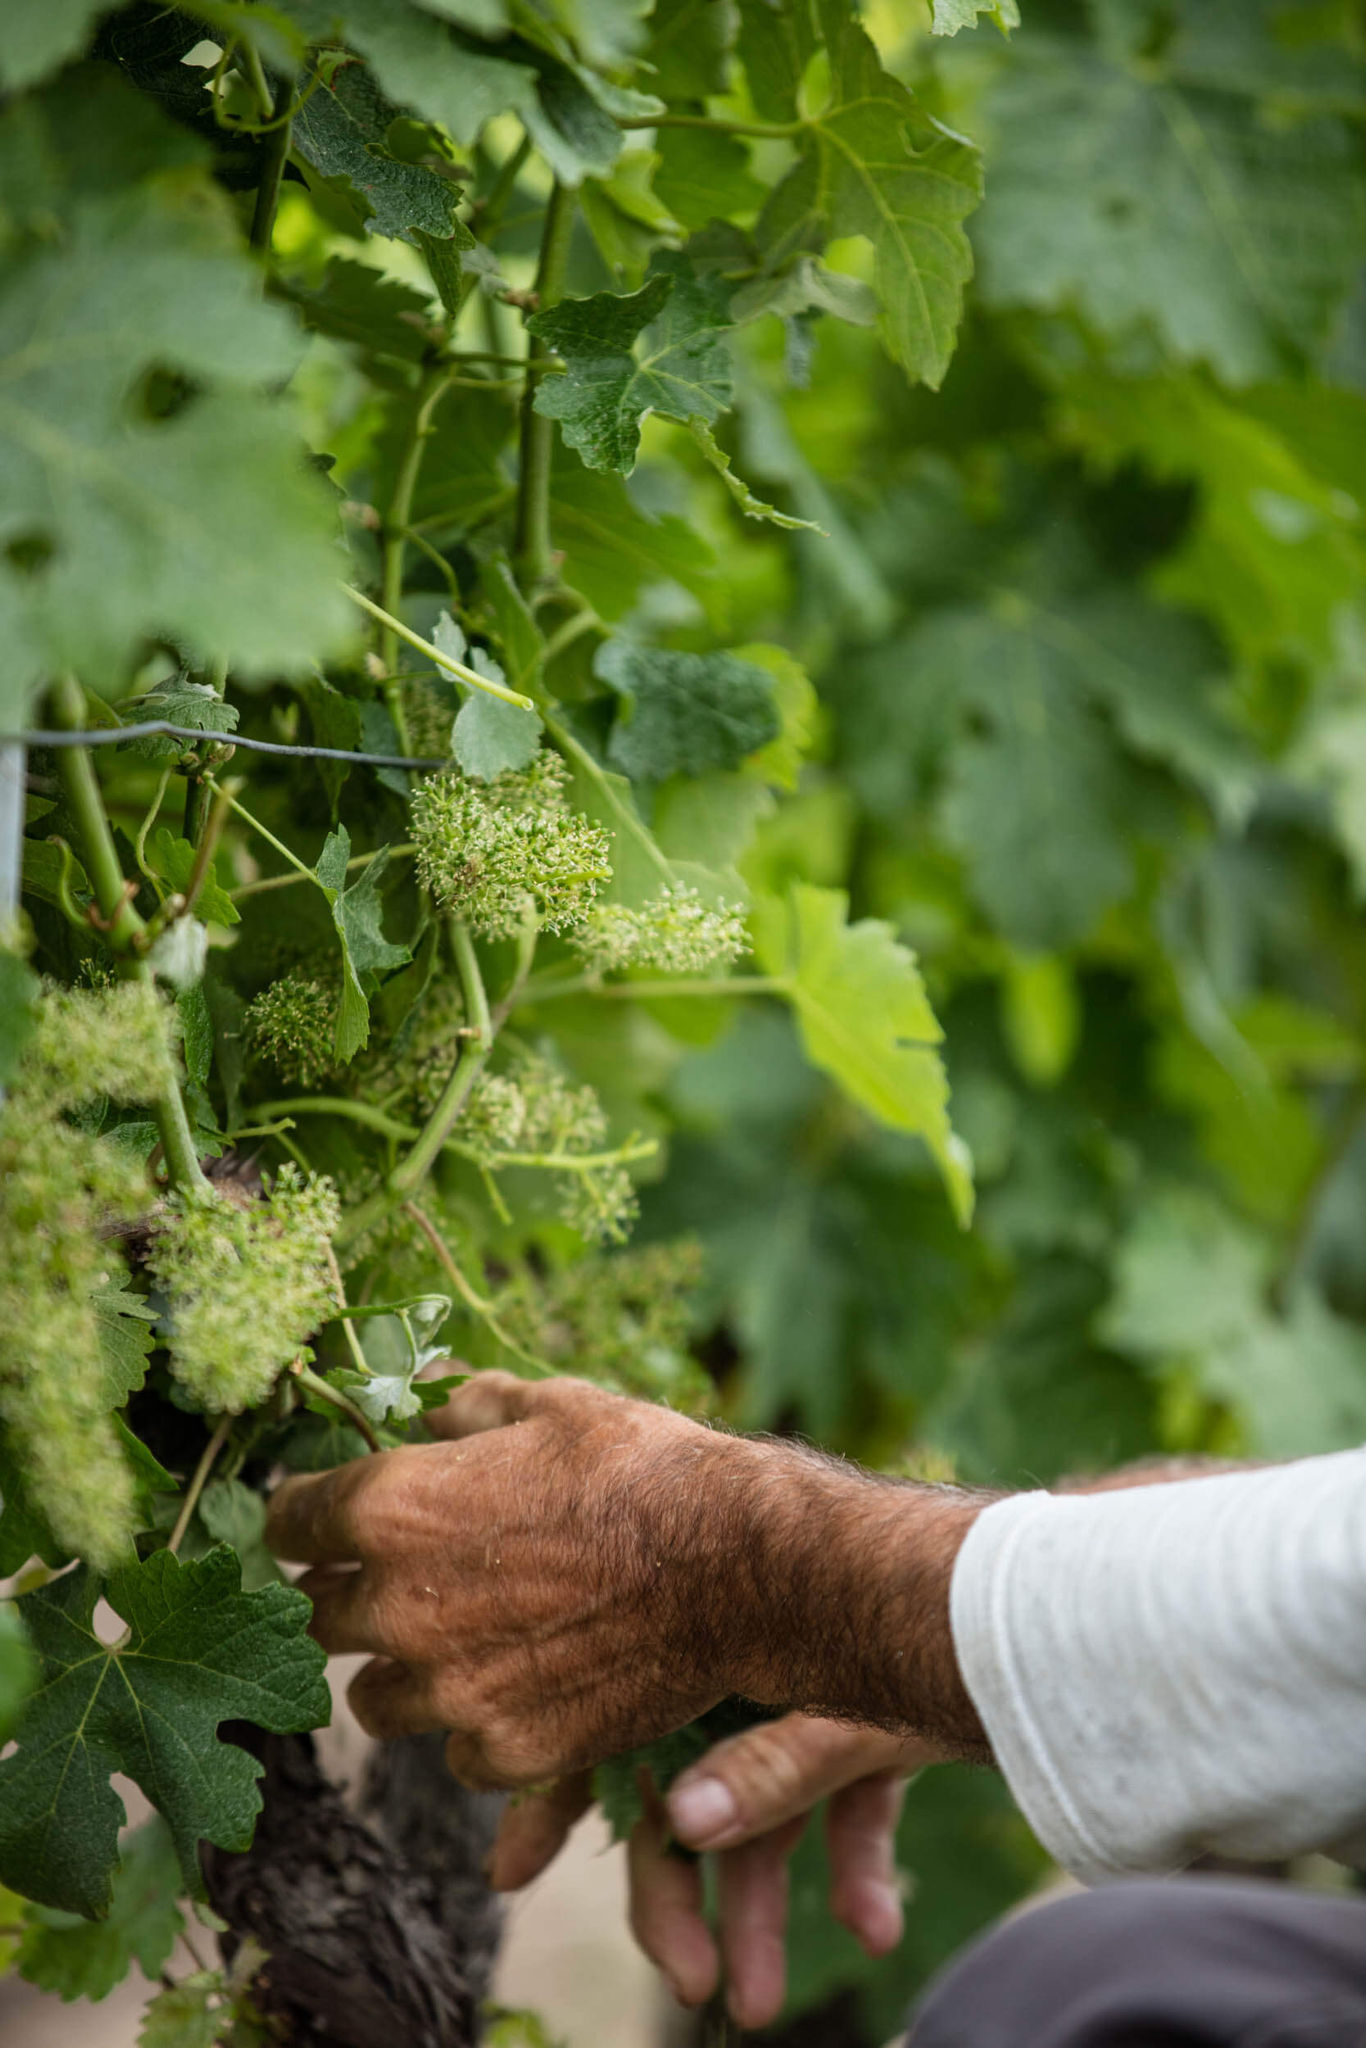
1169	1670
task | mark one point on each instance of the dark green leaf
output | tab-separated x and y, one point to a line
38	35
153	281
1231	237
685	713
123	1321
198	1651
79	1958
18	1670
874	164
366	953
681	369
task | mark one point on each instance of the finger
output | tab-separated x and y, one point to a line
755	1781
494	1399
753	1903
865	1894
317	1518
390	1698
358	1610
534	1829
666	1911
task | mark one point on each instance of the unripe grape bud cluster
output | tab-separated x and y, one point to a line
249	1281
500	854
675	931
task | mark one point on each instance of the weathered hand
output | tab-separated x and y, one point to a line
749	1799
571	1574
541	1585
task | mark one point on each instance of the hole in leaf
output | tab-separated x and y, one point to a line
29	552
160	394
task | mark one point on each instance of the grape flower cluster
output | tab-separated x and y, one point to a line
509	851
292	1025
676	931
249	1280
62	1188
534	1116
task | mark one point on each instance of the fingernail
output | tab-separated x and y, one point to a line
882	1916
702	1809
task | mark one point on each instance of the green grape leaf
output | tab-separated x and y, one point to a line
198	1651
38	35
1031	695
864	1018
188	2015
111	492
948	16
682	370
750	505
573	119
794	696
366	953
1274	552
684	713
340	128
805	286
123	1321
79	1958
18	1669
704	176
777	43
1191	1289
463	481
173	859
422	61
1176	211
356	304
689	46
180	702
625	215
488	737
231	1512
874	164
613	551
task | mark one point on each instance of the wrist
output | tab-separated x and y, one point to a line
837	1600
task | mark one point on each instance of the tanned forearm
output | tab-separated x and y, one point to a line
827	1588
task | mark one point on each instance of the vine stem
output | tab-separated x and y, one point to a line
417	1163
123	923
274	158
196	1485
396	522
611	796
531	543
473	1300
469	676
336	1399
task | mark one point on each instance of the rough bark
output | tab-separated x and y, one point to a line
366	1950
444	1835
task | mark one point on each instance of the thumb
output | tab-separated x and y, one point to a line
770	1773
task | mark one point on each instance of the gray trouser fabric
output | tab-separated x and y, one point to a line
1172	1963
